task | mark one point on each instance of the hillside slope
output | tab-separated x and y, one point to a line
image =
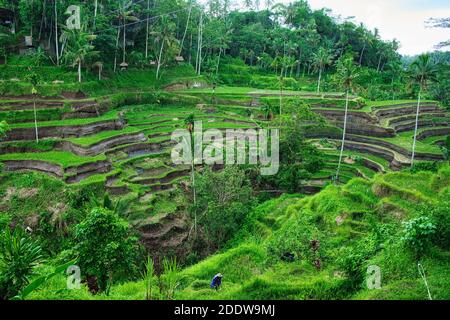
319	247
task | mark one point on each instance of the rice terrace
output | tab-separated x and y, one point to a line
315	153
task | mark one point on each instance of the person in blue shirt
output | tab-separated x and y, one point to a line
216	281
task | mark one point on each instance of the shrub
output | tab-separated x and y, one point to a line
19	255
295	238
425	166
418	233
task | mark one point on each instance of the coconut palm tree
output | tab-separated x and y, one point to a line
123	16
34	79
321	59
367	39
164	35
189	122
346	75
423	71
79	49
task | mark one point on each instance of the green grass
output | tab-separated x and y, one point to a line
93	139
65	159
111	115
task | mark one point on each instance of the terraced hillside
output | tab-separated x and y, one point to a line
124	146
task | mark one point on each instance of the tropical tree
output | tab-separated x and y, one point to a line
423	71
164	36
19	255
123	16
321	59
346	75
189	122
34	80
79	49
105	246
366	38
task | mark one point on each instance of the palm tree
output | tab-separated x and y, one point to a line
164	36
34	79
124	15
367	39
189	122
423	71
79	49
222	42
321	59
346	74
395	68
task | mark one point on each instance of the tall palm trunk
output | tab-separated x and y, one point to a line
147	29
35	119
415	129
318	82
218	61
159	59
56	33
124	40
362	54
117	49
186	29
281	95
343	139
79	71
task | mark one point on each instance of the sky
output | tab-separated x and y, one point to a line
396	19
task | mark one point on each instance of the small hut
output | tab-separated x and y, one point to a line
123	66
179	59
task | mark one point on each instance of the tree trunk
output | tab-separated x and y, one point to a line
362	54
185	30
56	33
35	119
117	49
147	28
392	88
318	82
379	63
79	71
299	65
343	139
281	95
99	73
415	129
124	41
218	62
159	59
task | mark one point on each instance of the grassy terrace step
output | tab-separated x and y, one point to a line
65	159
352	154
379	151
423	123
405	140
389	104
412	117
111	115
28	115
87	141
